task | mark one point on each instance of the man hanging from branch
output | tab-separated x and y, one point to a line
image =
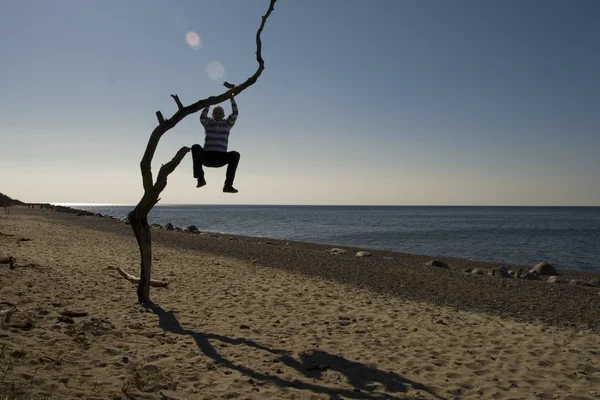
138	217
215	154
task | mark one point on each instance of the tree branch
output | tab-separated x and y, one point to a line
138	217
176	98
182	111
165	170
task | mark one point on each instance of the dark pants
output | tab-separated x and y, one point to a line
215	159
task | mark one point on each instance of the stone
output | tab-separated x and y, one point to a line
336	251
519	273
192	228
363	254
545	268
170	227
437	263
530	276
554	279
502	272
477	271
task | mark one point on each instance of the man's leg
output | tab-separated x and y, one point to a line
233	159
197	159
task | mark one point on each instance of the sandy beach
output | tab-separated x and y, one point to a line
252	318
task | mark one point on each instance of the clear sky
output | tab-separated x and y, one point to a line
471	102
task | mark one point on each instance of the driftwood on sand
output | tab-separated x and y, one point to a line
133	279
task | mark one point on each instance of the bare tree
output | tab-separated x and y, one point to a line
138	218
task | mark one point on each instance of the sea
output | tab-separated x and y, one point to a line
567	237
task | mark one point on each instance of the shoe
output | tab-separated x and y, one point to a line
201	182
229	189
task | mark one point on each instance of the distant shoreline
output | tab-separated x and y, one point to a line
412	229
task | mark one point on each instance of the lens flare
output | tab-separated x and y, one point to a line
193	40
215	70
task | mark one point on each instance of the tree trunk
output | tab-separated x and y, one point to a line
139	223
138	218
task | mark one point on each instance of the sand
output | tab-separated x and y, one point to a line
240	327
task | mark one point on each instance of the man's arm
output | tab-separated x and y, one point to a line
204	116
234	114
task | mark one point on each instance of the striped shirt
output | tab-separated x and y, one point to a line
217	132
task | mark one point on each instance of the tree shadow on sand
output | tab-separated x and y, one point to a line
312	365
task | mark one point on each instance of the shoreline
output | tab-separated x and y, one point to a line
81	212
246	318
398	274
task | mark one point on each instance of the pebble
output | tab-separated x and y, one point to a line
437	263
336	251
530	276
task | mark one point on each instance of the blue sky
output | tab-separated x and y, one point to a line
362	102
